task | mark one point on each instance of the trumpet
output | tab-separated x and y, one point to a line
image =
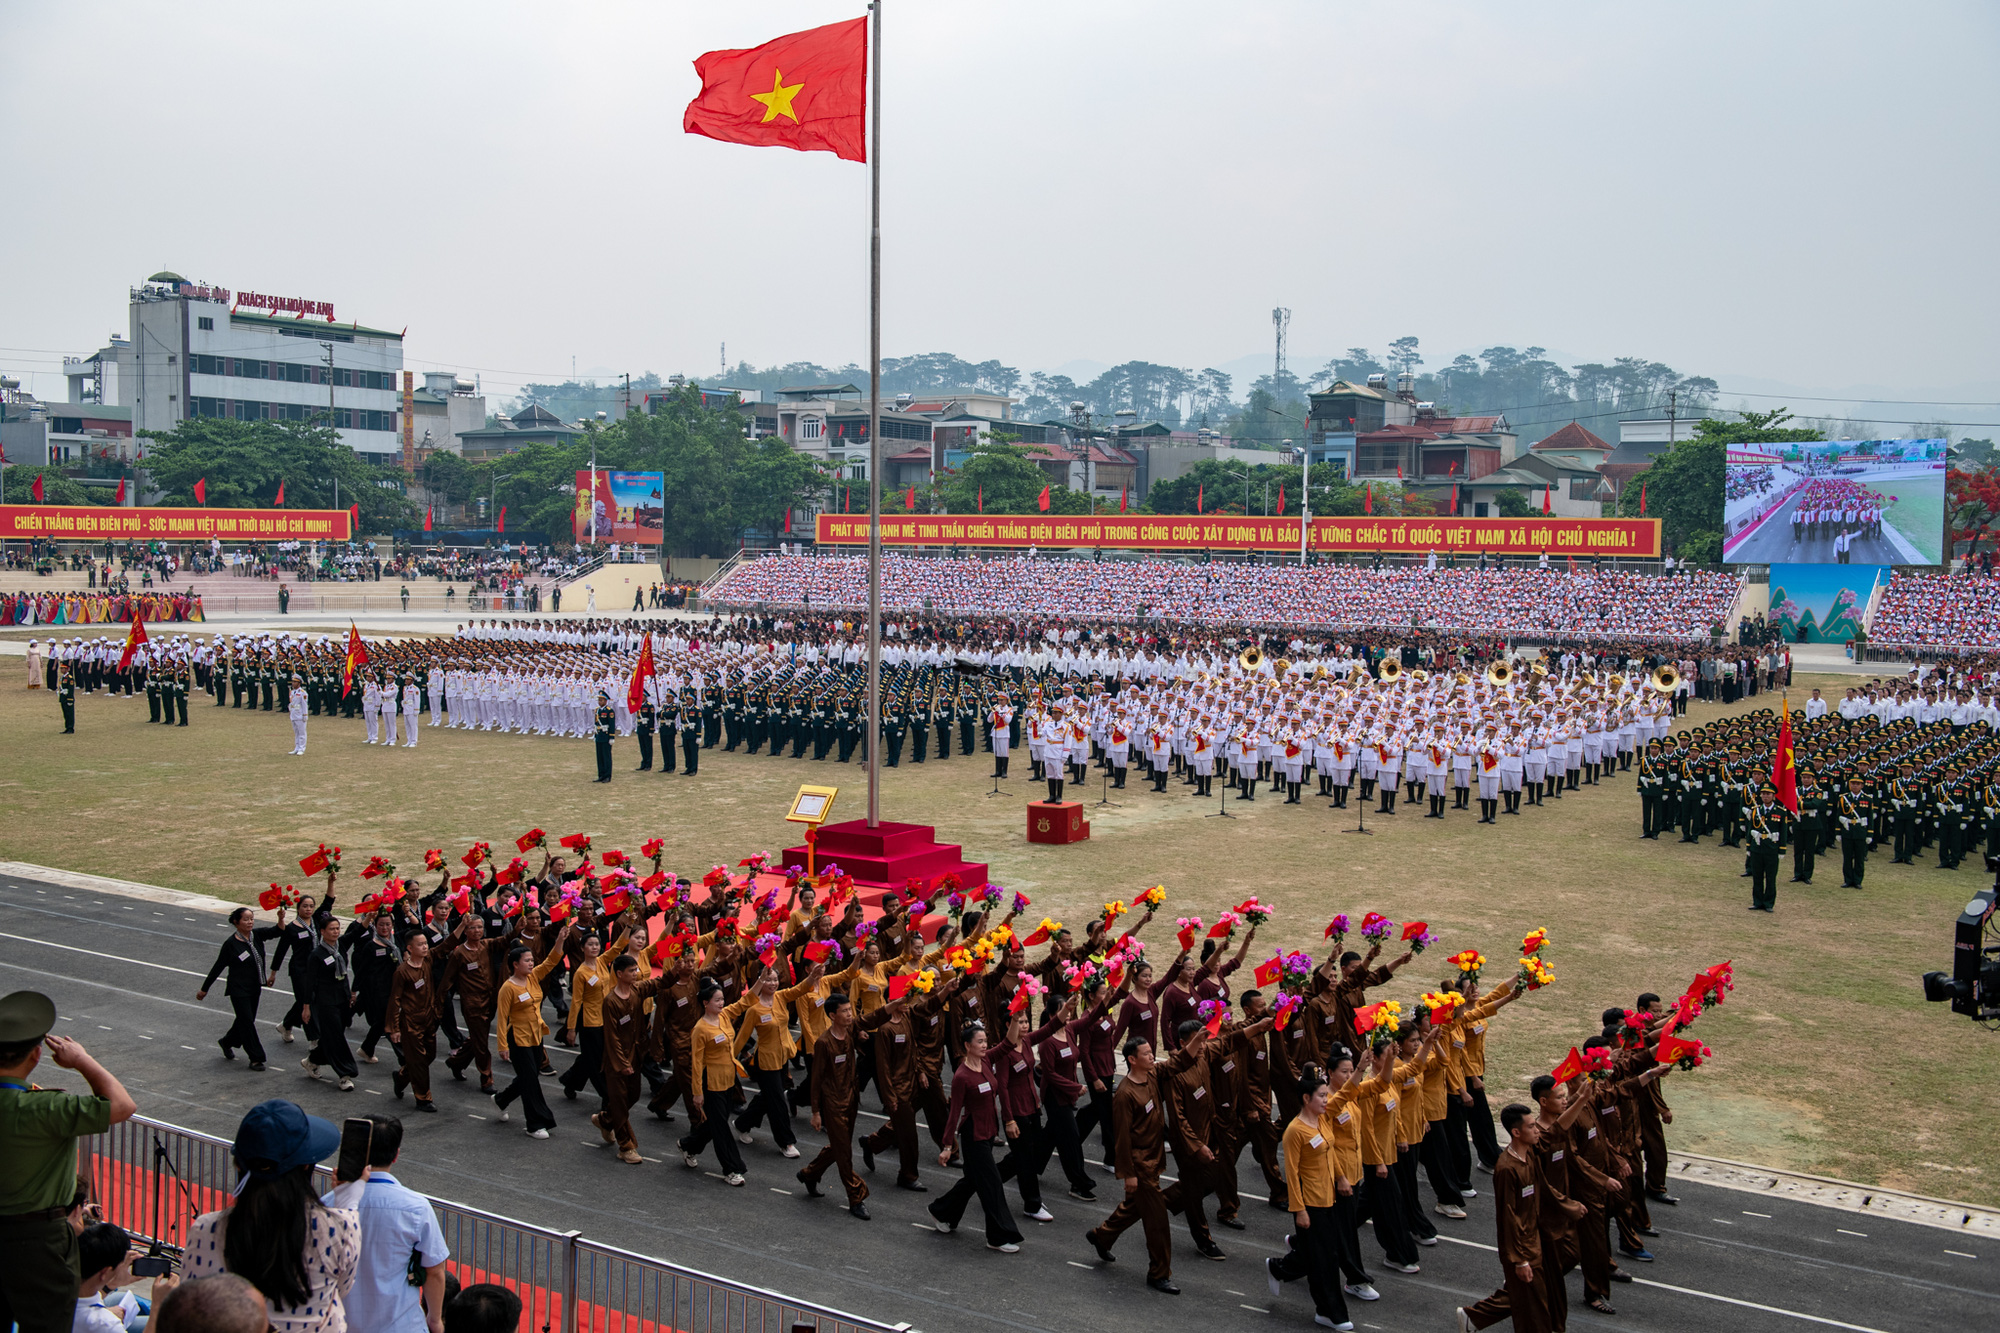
1664	680
1251	658
1390	671
1499	675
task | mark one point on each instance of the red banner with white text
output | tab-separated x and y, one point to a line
81	523
1633	538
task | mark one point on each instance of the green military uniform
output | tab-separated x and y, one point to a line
642	729
690	732
1856	817
1767	824
1808	827
66	697
607	726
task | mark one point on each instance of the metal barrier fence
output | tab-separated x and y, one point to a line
153	1178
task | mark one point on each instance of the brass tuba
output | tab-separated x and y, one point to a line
1540	668
1419	676
1390	671
1664	679
1500	675
1251	658
1281	666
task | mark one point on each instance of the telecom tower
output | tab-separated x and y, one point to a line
1281	319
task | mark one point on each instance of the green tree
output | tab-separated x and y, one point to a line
1511	503
57	489
1000	471
244	463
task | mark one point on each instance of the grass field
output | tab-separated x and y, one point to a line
1828	1059
1918	513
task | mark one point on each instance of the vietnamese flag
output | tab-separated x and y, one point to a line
910	500
36	489
1121	498
121	492
1281	497
805	90
1368	498
499	526
1548	489
357	656
636	691
1784	772
427	519
354	520
280	501
1042	501
1642	499
200	492
135	636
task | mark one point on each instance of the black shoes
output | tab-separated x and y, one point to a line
1163	1286
1103	1251
859	1211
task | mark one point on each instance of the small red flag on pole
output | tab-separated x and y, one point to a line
982	499
427	518
200	492
1368	499
1281	497
36	489
1200	490
121	492
1042	503
910	500
280	500
1642	499
501	525
1548	490
1121	498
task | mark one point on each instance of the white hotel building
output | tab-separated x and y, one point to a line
202	351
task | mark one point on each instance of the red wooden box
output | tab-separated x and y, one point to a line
1057	822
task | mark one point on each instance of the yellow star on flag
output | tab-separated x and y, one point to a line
778	102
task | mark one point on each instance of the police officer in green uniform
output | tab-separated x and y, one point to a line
607	725
1905	793
690	731
893	725
711	720
152	694
1766	825
753	719
66	696
183	685
239	677
733	705
1856	817
642	728
668	720
848	726
1807	825
967	713
39	1129
1652	787
1950	803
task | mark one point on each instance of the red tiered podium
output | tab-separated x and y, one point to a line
886	857
1057	822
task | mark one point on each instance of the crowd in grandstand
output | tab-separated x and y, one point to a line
1555	601
1939	609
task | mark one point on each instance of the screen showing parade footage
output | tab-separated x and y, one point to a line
1858	502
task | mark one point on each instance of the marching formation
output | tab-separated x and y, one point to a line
750	997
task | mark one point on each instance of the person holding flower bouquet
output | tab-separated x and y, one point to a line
769	1020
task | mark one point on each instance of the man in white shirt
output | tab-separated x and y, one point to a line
1815	706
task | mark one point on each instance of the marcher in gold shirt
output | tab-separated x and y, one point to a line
769	1020
712	1072
588	985
519	1031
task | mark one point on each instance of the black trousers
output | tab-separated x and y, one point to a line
376	1008
604	759
1384	1194
1315	1256
588	1067
332	1049
527	1086
244	1032
771	1102
1025	1158
981	1177
714	1127
1061	1138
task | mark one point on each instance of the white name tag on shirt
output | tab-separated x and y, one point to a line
1149	1107
1527	1190
899	1038
1478	1029
1556	1156
1591	1135
1143	1013
1200	1093
986	1087
1257	1055
681	1001
719	1039
1019	1066
840	1059
1316	1141
243	957
1228	1065
1105	1024
1388	1103
1064	1052
420	983
1342	1118
590	981
472	967
624	1019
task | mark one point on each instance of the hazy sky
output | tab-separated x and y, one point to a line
1767	192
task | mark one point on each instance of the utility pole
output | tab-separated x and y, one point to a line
1673	403
1281	320
628	393
330	419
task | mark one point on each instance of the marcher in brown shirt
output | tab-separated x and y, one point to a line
474	971
1139	1118
624	1015
835	1095
412	1020
1520	1194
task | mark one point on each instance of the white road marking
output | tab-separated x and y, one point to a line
144	1037
1748	1213
1753	1305
1257	1308
1962	1254
1845	1232
1074	1264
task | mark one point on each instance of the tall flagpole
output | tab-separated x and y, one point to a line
875	422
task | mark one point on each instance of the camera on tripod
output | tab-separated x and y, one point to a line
1973	984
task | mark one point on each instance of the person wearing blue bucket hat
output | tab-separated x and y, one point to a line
278	1236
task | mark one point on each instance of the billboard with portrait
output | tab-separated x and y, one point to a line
1860	502
623	507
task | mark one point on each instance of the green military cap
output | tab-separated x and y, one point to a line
26	1016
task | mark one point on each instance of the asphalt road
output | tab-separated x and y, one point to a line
123	973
